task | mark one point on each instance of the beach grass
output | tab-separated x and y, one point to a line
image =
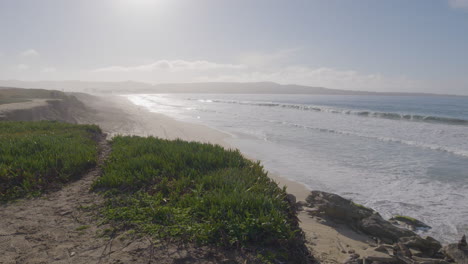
198	193
37	156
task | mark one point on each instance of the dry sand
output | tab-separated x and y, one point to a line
116	115
4	108
329	243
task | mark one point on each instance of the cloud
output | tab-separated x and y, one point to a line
458	3
29	53
48	70
22	67
171	65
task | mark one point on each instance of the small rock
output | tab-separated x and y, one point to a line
428	246
381	259
291	198
453	251
403	250
72	254
300	205
352	261
462	244
351	251
63	213
429	261
381	248
415	252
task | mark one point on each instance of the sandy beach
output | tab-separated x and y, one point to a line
327	240
116	115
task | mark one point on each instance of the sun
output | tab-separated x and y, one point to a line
144	3
141	9
141	4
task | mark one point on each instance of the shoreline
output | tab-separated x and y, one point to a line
336	230
116	115
142	122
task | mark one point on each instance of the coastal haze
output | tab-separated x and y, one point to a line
365	99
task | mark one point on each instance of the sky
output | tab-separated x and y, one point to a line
372	45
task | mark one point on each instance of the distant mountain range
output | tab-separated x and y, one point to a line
209	87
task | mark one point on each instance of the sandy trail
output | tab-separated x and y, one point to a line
53	228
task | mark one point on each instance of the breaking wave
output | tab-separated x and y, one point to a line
364	113
457	152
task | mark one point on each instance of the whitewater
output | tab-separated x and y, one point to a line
400	155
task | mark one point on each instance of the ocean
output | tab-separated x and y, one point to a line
400	155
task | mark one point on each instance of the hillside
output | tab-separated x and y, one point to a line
202	87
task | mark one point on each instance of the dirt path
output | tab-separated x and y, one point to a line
62	227
54	228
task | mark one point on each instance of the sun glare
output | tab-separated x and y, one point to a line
141	10
141	4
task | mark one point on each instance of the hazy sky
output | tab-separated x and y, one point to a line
379	45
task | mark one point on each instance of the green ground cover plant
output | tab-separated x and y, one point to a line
199	193
37	156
